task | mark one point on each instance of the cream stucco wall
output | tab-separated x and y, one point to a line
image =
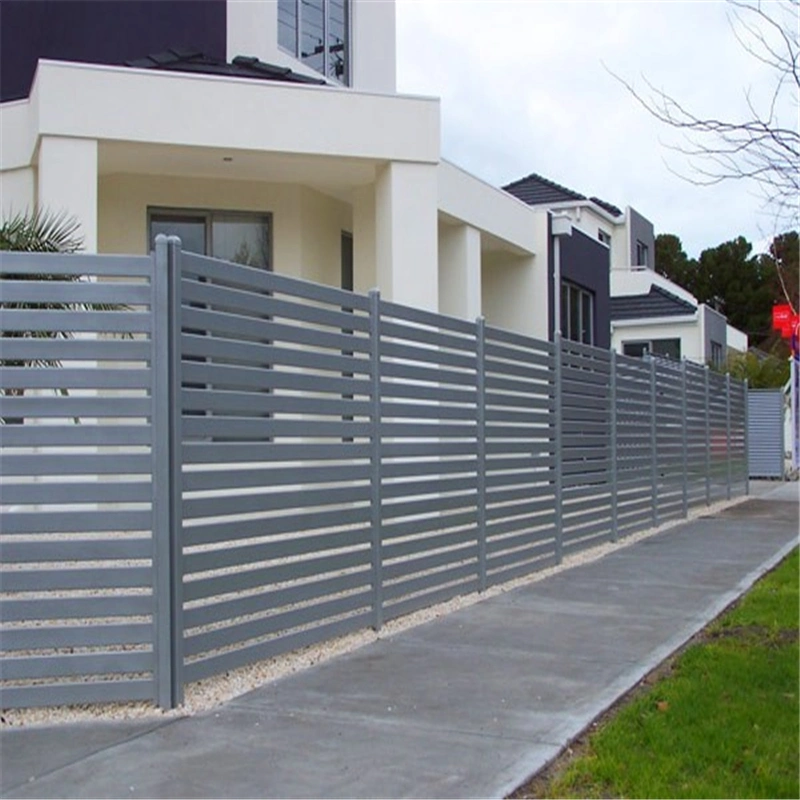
459	270
17	190
67	182
374	46
512	297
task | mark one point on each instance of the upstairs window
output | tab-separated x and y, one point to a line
577	313
317	32
642	255
604	237
716	354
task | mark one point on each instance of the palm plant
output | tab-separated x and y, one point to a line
40	231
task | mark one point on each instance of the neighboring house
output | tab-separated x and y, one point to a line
651	314
267	132
583	248
607	276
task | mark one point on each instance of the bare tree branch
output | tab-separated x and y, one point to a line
762	148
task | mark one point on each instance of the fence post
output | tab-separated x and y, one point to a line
614	488
746	390
684	440
160	476
481	449
728	432
167	481
557	447
176	477
708	438
375	457
654	440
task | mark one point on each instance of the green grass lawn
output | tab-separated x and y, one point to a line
722	722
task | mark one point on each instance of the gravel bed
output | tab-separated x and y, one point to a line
206	694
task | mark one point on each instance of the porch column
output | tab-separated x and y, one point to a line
68	182
460	271
406	248
364	255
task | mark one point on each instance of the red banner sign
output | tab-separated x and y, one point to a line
784	320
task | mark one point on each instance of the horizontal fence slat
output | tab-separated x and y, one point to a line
71	694
57	321
57	349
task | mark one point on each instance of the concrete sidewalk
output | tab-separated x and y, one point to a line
468	705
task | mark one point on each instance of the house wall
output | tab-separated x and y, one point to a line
460	265
17	191
640	229
587	221
584	262
736	339
101	32
306	225
513	294
714	329
688	331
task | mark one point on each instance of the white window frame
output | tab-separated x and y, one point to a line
642	254
566	330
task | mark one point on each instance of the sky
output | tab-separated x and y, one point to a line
526	86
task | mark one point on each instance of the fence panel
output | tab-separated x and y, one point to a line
520	466
77	395
738	453
718	442
696	423
634	445
669	416
586	455
276	426
429	458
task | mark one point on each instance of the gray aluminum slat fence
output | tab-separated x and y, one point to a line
268	463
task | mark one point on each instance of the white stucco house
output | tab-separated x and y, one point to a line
279	140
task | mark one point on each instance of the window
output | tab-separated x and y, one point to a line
347	261
604	237
317	32
232	236
577	313
716	354
663	348
642	255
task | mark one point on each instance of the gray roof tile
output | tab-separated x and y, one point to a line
656	303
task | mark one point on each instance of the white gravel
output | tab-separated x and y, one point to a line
207	694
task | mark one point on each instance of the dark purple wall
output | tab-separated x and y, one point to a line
585	262
100	32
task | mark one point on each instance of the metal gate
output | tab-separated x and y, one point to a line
765	433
